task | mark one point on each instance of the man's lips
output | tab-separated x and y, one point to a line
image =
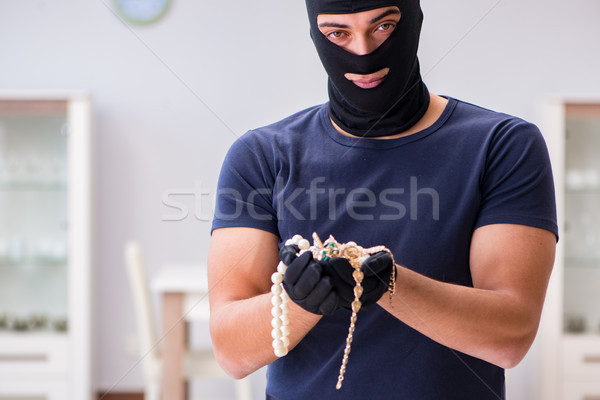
368	83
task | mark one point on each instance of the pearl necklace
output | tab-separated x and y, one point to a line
355	255
279	301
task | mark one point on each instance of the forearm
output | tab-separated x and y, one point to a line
241	333
492	325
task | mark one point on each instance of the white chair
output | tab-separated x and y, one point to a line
198	363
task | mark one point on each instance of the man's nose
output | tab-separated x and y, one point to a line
362	44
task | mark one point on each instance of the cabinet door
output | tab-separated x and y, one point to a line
33	390
574	390
34	214
33	355
581	357
581	238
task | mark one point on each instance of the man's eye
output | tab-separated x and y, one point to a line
386	27
335	34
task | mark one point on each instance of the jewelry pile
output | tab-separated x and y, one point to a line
355	255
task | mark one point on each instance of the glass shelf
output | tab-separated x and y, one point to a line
30	265
582	262
46	252
34	323
583	192
42	186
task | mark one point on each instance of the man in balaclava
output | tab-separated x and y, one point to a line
401	99
461	196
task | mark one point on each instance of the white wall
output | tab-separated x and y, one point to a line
170	98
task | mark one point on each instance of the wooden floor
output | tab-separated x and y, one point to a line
120	396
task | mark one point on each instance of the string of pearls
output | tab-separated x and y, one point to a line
279	301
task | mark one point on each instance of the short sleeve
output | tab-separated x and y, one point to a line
244	195
517	186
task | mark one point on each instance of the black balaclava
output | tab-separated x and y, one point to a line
401	99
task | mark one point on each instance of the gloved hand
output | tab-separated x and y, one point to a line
321	287
305	282
377	271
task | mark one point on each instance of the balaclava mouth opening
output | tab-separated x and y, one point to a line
402	97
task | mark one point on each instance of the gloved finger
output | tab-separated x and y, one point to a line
372	296
329	305
378	269
344	276
296	268
374	282
341	268
307	281
340	271
287	254
319	293
377	263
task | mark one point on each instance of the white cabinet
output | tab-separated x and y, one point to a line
570	327
45	246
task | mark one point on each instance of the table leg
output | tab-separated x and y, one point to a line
173	347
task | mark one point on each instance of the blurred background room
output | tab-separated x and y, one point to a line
115	117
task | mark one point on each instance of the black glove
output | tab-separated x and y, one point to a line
305	282
377	271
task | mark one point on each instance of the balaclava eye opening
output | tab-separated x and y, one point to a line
401	99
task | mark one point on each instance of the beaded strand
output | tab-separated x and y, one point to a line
279	301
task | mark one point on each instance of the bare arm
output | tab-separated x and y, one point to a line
240	264
498	318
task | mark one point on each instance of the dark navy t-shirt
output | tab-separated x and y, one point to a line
422	196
